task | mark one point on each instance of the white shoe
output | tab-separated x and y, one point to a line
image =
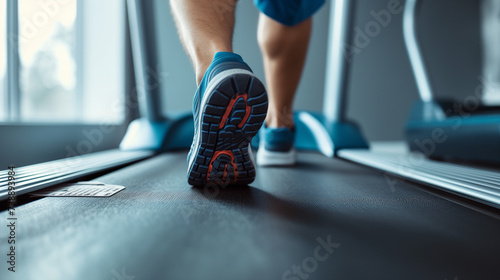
276	147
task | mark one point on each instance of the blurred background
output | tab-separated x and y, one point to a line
74	68
382	88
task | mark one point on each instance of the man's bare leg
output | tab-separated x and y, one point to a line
284	50
205	27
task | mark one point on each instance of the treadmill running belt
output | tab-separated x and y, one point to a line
473	183
323	219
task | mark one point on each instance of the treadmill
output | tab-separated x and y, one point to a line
328	132
325	219
445	139
463	130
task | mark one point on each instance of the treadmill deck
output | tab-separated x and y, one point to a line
467	181
159	227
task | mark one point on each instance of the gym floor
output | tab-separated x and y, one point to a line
324	219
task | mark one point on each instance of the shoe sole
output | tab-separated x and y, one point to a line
275	159
234	108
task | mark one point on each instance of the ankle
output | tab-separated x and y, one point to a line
279	121
200	72
204	58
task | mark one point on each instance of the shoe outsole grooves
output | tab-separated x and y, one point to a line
232	116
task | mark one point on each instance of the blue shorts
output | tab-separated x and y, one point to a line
289	12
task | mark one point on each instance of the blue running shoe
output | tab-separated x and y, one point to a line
276	147
229	108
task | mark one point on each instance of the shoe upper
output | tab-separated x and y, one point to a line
222	61
279	139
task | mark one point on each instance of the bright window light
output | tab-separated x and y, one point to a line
3	60
103	59
71	61
47	50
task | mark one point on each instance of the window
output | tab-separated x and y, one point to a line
65	62
71	62
47	52
3	60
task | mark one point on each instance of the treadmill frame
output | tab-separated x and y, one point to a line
326	132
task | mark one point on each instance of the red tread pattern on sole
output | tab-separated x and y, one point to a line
233	163
230	107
